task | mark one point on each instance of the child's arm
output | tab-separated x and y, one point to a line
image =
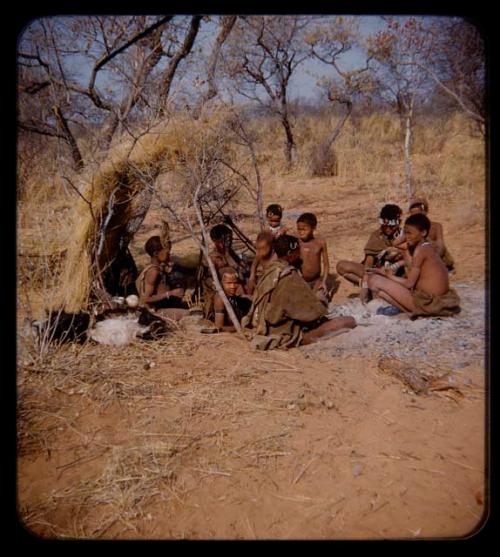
413	272
220	316
399	240
439	241
149	287
326	265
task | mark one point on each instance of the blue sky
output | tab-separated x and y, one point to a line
303	83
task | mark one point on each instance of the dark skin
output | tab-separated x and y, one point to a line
313	252
435	232
329	327
354	272
426	272
263	255
274	221
224	247
230	285
156	290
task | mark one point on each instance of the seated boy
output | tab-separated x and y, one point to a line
230	284
426	290
285	312
263	255
386	236
222	256
153	286
274	214
420	205
313	252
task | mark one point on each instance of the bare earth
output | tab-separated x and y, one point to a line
217	441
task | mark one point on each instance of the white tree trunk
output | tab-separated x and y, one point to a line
407	155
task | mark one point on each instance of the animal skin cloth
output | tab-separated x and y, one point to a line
429	304
377	242
282	307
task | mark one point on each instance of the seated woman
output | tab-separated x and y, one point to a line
155	291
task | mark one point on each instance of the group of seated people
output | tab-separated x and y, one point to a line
281	298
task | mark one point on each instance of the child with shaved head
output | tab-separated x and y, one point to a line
315	266
421	205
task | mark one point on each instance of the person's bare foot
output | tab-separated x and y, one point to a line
365	295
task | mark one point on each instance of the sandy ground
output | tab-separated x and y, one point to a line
216	441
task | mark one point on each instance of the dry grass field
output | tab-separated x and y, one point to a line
198	437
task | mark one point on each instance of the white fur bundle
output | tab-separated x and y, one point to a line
117	332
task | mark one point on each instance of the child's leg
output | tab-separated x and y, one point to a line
320	292
392	292
330	326
178	292
332	285
351	271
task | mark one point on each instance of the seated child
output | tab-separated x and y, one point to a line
313	251
380	240
153	286
222	256
426	290
420	205
230	284
263	255
274	214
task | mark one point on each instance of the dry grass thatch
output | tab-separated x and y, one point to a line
129	167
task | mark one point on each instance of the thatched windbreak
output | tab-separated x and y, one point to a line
115	199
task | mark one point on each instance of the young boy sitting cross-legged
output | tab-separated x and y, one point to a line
313	252
240	304
425	291
153	286
380	240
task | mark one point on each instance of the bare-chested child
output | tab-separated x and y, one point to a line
315	266
420	205
230	284
263	256
379	241
153	286
274	215
425	291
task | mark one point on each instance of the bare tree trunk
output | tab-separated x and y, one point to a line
227	23
340	125
213	270
184	50
407	154
290	142
69	138
258	192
